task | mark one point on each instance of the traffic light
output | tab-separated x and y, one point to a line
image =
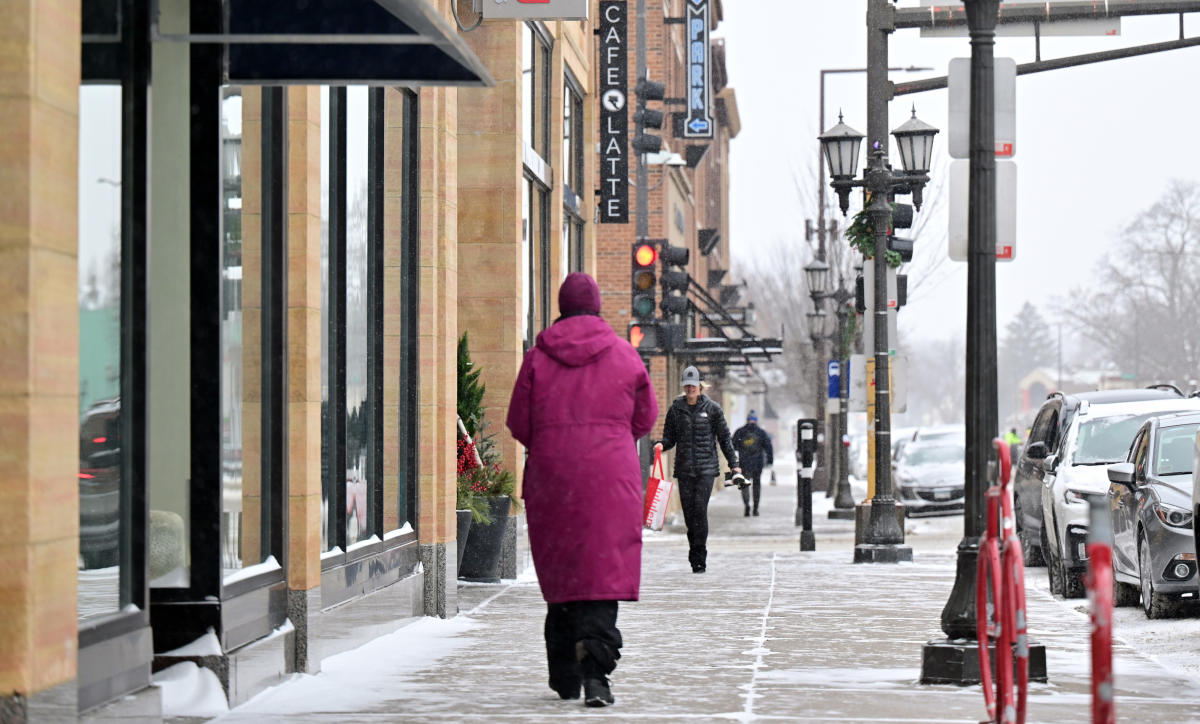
902	218
645	337
643	118
643	280
674	279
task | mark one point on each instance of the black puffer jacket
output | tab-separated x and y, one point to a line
697	430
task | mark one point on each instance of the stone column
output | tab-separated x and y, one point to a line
39	369
438	335
304	372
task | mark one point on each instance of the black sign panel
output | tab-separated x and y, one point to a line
614	115
699	120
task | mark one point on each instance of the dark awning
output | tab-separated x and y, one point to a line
381	42
311	42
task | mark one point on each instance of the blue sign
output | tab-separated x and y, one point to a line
834	373
698	122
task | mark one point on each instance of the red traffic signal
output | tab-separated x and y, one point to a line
645	255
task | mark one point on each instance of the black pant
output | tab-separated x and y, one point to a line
582	641
694	493
755	483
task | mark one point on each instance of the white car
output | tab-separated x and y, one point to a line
1098	435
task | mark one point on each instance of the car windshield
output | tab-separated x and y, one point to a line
933	454
1173	450
1106	440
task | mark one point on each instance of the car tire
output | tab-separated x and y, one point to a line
1072	583
1053	570
1154	604
1030	549
1125	594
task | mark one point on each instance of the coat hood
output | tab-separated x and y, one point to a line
576	341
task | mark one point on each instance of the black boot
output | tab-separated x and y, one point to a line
596	688
747	513
596	692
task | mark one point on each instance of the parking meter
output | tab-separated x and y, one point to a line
806	459
806	446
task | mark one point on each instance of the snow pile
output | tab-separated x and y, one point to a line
367	677
190	690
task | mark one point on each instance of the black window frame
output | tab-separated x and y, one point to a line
539	112
573	95
116	50
249	608
342	573
335	473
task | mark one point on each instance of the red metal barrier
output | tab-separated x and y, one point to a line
1099	582
1000	602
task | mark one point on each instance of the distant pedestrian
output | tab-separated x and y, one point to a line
1013	440
581	400
754	451
697	425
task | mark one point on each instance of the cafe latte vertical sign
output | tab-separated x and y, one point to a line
614	116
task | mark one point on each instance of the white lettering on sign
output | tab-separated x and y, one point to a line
698	122
614	113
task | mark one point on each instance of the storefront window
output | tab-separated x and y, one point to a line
101	472
244	492
358	497
354	337
401	249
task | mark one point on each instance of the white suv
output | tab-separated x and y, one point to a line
1097	435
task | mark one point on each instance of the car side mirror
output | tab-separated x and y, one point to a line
1036	451
1050	463
1121	473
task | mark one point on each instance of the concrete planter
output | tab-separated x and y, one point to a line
464	529
481	556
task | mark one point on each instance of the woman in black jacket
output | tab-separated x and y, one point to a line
697	425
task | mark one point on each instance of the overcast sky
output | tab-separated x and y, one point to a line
1095	144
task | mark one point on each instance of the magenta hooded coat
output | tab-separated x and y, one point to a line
581	400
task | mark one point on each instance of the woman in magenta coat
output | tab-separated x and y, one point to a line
580	402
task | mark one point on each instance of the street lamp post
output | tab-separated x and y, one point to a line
883	539
824	461
843	498
948	661
817	275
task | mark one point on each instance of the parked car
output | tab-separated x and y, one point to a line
940	432
901	436
1073	440
100	484
1149	499
928	477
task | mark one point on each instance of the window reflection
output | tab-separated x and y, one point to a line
357	485
243	493
101	473
327	496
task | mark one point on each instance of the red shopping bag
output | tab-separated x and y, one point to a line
658	492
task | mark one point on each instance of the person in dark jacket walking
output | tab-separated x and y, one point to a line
697	425
754	450
581	400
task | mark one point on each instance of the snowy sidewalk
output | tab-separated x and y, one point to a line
768	633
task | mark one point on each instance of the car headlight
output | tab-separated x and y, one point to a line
1074	497
1172	516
